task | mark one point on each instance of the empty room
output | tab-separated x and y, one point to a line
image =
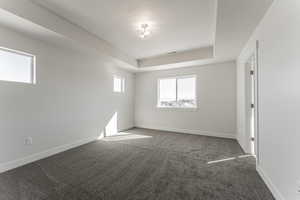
149	100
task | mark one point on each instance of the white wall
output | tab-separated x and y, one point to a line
72	100
216	95
279	97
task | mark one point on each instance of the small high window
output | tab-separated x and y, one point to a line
119	84
16	66
177	92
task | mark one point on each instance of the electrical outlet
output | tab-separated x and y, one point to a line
28	141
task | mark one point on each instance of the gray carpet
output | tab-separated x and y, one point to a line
145	164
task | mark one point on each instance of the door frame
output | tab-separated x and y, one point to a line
254	53
256	99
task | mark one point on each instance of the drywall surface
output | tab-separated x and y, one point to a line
71	102
278	97
216	98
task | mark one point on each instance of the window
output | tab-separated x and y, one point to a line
119	84
16	66
177	92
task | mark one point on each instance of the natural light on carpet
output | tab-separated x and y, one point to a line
126	136
228	159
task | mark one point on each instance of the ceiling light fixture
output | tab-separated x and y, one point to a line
144	30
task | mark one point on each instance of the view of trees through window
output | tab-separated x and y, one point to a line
177	92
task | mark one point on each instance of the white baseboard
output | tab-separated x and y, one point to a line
126	129
38	156
277	195
193	132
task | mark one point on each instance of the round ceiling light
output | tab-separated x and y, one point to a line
144	30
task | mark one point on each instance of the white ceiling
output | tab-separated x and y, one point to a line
176	25
236	21
28	28
200	31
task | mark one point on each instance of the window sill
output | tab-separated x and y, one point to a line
182	109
